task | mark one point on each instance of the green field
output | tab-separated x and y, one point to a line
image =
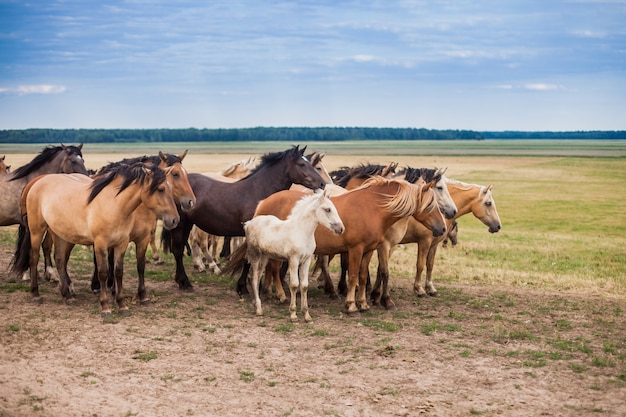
564	224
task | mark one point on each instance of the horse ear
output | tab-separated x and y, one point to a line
163	157
80	147
183	155
3	156
302	151
428	185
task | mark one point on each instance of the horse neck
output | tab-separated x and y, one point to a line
272	177
304	217
128	200
53	166
463	196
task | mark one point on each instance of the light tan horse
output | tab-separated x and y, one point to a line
469	198
76	209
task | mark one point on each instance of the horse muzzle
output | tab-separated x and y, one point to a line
170	223
338	228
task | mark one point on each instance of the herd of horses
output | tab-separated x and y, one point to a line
285	209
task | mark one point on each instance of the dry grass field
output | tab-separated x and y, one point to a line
528	321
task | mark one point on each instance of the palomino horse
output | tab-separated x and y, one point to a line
367	212
473	198
223	207
290	240
101	215
4	168
144	219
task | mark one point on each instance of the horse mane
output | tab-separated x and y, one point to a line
361	171
463	185
137	172
147	160
46	155
302	203
412	175
272	158
403	203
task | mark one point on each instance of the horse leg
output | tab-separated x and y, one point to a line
243	279
225	253
430	263
342	287
355	256
101	257
294	284
257	262
418	287
141	248
361	298
382	278
325	279
195	242
119	253
62	250
50	273
156	258
303	274
35	244
273	275
179	237
204	246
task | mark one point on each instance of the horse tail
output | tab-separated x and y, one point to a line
21	260
236	260
166	241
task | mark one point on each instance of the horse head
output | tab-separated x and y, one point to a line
485	210
178	179
300	171
72	160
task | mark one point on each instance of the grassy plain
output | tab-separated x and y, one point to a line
564	226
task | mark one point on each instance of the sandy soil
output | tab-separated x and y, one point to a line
470	351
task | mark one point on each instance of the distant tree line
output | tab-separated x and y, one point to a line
288	134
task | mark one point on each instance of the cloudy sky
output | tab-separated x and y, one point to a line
450	64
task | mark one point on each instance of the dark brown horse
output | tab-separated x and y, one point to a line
222	207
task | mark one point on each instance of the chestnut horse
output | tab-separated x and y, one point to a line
367	212
75	209
223	207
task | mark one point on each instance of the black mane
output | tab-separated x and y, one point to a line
343	175
148	160
270	159
131	173
427	174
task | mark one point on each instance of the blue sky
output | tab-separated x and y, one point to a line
451	64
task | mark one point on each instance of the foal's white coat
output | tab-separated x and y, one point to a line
292	240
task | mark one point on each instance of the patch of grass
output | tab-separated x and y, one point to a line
13	327
380	325
247	376
145	356
285	328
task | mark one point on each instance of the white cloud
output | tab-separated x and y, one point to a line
542	87
35	89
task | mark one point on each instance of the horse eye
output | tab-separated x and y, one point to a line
327	210
175	174
488	203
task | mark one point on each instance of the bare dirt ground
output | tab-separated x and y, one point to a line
471	351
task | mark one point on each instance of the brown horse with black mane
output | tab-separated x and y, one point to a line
144	219
222	208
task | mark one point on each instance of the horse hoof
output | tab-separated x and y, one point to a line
38	300
71	302
391	307
125	313
106	315
434	294
145	302
421	295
